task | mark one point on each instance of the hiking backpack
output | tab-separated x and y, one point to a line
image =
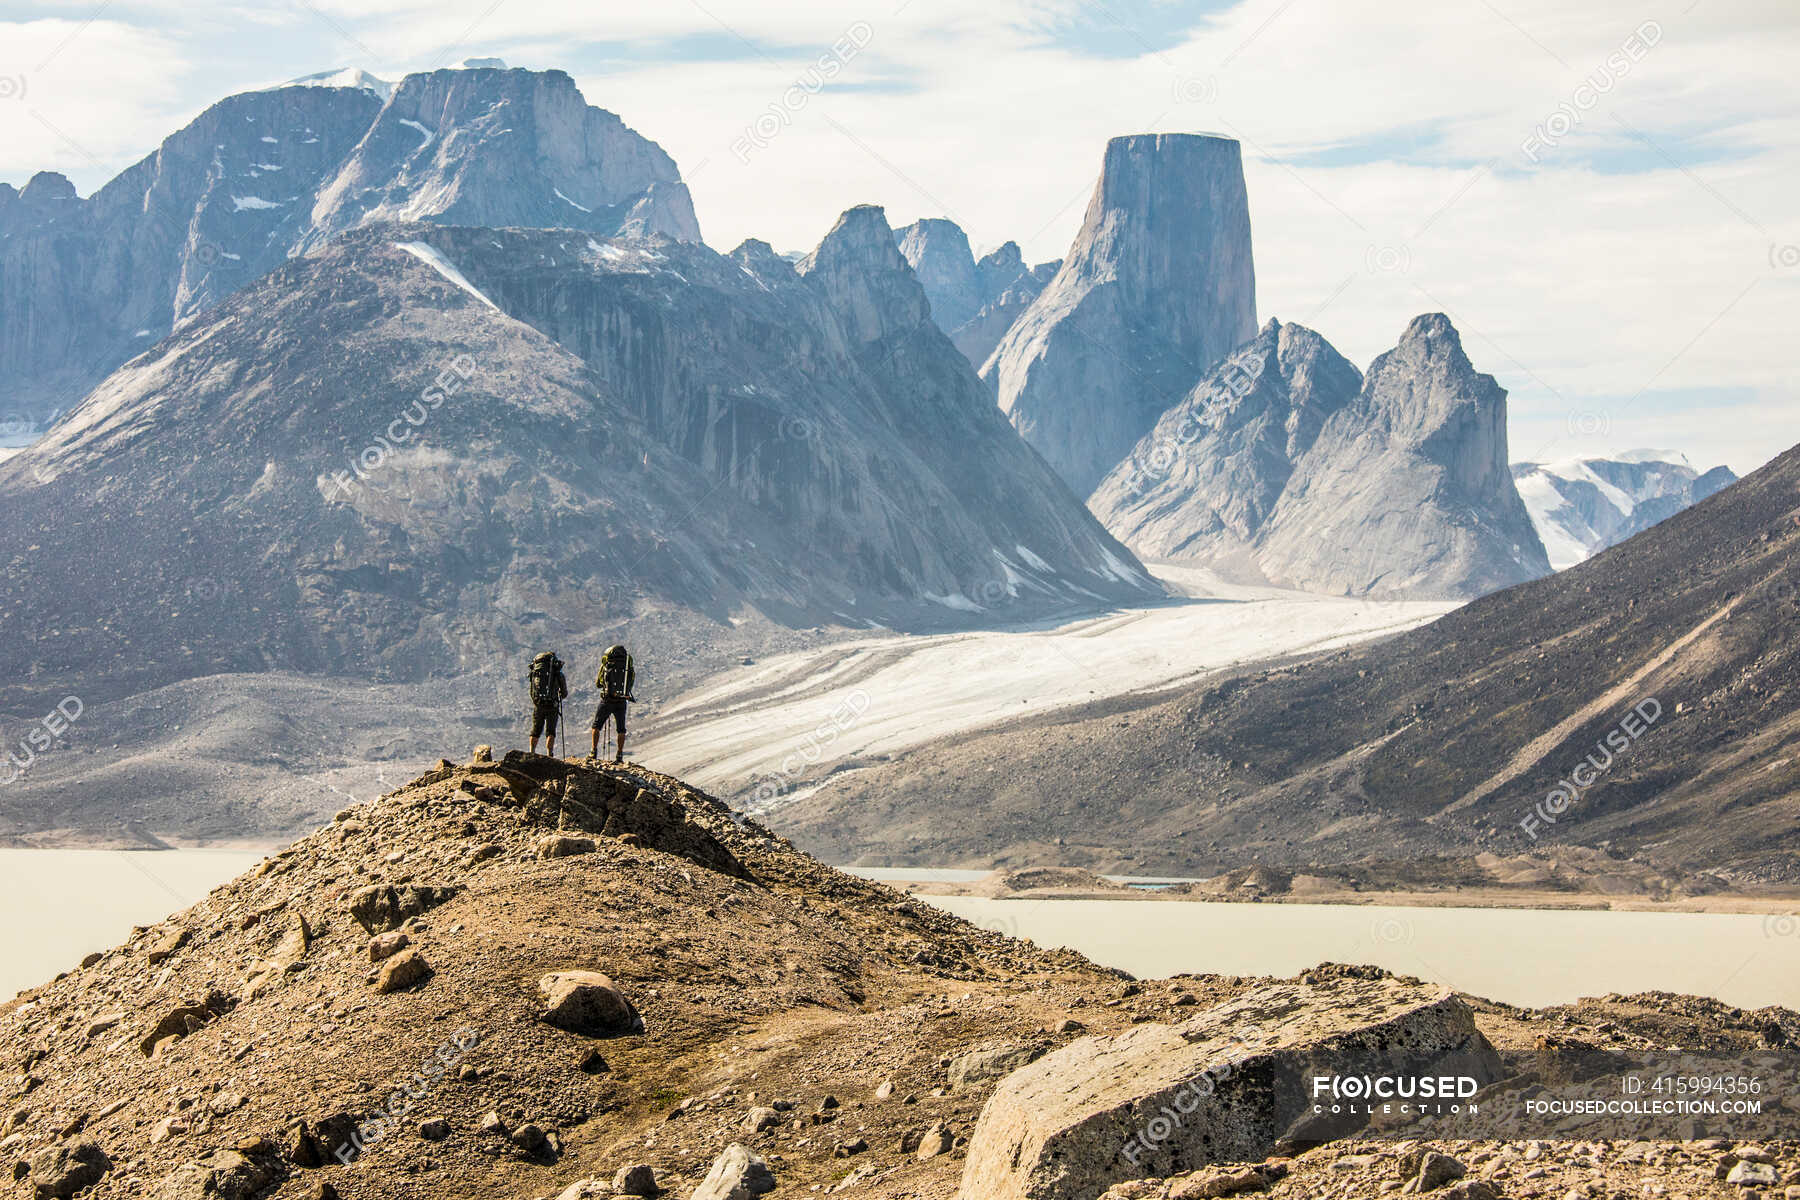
543	679
615	673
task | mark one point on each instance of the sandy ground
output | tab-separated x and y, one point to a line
765	729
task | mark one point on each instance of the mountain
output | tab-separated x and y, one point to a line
1583	505
527	977
975	302
87	283
423	445
1642	703
1157	288
1285	465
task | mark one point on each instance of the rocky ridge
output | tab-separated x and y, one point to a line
527	977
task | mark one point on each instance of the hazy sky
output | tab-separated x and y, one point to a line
1601	195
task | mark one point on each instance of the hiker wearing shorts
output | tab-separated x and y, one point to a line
618	674
547	688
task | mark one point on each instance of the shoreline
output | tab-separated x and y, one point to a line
1773	904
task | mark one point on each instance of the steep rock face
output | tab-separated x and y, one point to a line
1407	491
353	465
694	432
939	253
87	284
504	147
974	302
931	395
1157	288
1583	505
1202	484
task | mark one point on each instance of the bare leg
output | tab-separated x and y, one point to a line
534	738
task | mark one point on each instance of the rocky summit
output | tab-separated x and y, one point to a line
1158	286
1286	466
1583	505
523	977
86	284
975	302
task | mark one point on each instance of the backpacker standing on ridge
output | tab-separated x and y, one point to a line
548	688
617	676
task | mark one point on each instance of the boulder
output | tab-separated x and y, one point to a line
381	907
587	1002
67	1168
984	1065
760	1118
636	1179
1224	1086
402	971
221	1175
736	1174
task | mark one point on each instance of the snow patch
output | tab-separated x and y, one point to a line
347	77
240	203
1033	561
437	262
584	208
271	140
423	132
959	603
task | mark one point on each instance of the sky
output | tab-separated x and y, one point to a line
1600	194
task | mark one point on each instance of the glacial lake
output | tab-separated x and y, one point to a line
1522	956
57	905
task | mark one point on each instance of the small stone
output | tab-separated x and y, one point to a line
167	1128
847	1149
386	945
760	1118
167	945
225	1102
102	1023
434	1130
531	1139
491	1123
885	1090
483	754
936	1140
591	1062
1435	1170
1752	1174
638	1179
406	969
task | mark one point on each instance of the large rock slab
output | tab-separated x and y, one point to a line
1225	1086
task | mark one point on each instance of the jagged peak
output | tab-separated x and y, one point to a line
861	236
48	187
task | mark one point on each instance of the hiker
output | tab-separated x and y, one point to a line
617	676
548	690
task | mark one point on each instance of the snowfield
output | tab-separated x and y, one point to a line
797	717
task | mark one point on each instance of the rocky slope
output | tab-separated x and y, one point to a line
87	283
1286	466
974	302
1642	703
526	978
1158	286
372	463
1583	505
